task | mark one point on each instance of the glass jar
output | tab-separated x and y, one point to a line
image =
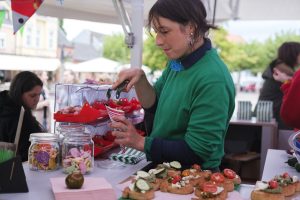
77	152
65	128
43	153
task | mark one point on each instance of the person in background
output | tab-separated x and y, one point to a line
65	97
290	111
287	59
42	111
192	101
70	77
105	79
25	90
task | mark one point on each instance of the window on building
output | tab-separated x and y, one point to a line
51	40
28	37
38	38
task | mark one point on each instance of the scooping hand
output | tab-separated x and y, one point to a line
133	75
126	134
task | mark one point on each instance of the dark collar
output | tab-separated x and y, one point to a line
191	59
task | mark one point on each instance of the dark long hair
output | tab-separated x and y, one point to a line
182	12
23	82
288	52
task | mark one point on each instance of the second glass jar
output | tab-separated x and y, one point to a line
77	152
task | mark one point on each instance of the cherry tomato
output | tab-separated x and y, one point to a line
273	184
229	173
135	104
285	175
217	177
185	172
176	179
209	187
196	167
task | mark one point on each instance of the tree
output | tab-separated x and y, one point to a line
153	56
254	55
115	48
233	54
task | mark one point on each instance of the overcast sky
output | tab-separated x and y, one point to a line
249	30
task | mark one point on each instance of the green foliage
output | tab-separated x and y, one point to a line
115	48
254	55
153	56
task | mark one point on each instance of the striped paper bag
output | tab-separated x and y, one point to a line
115	112
130	156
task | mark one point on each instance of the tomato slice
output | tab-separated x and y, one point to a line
285	175
217	177
209	187
273	184
229	173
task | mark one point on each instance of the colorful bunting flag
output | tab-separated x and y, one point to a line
22	10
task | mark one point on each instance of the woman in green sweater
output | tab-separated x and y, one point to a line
192	101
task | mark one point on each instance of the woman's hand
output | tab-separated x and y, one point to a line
134	75
126	134
280	76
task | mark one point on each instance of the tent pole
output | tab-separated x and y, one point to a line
214	12
137	21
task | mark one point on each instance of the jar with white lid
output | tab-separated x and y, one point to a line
43	153
77	152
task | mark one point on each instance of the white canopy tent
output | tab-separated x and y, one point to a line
103	65
12	62
104	11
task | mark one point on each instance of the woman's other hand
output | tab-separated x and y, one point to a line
126	134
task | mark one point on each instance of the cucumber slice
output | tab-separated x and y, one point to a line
163	174
175	165
157	171
142	185
142	174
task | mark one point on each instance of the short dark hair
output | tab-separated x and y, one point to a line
182	12
23	82
288	52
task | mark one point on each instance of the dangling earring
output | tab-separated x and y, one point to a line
191	40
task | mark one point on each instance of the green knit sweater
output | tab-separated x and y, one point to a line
196	105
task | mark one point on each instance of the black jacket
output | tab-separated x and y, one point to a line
270	91
9	117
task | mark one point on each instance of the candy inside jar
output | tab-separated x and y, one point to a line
77	153
43	152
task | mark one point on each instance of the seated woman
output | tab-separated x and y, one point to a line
25	90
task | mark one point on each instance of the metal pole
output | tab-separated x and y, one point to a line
137	19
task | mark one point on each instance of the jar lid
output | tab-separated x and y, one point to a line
71	127
43	136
